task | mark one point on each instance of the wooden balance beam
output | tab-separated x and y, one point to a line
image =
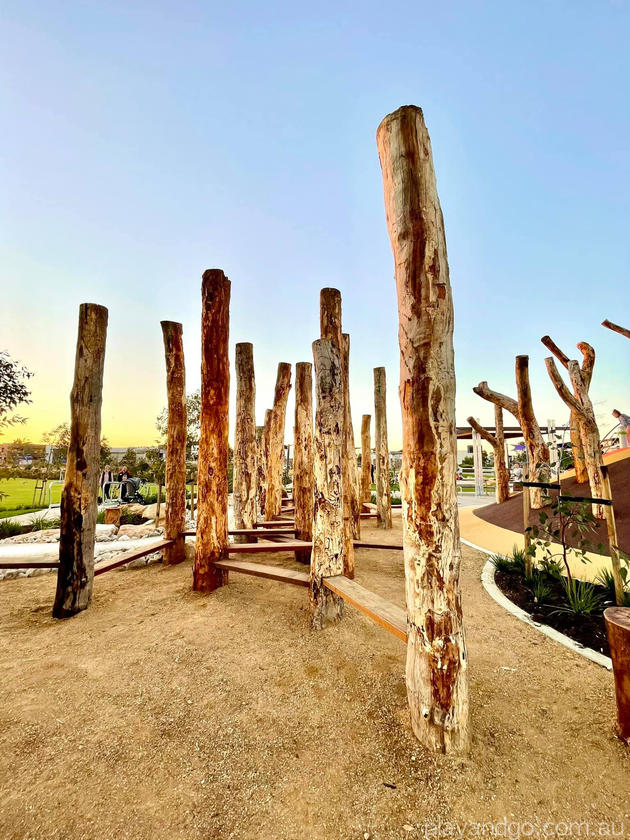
99	568
389	616
260	570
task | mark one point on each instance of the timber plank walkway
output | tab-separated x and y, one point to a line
260	570
388	615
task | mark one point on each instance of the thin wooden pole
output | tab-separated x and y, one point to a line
175	442
328	531
75	576
263	459
366	459
527	541
383	494
212	480
245	455
303	456
613	540
275	454
351	487
437	678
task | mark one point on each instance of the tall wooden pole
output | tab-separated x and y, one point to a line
328	532
263	457
303	456
75	576
366	459
497	442
437	680
330	325
212	479
245	456
275	455
351	487
537	449
383	495
172	334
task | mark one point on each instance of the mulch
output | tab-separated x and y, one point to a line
509	515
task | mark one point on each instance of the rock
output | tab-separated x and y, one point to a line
150	510
104	532
137	531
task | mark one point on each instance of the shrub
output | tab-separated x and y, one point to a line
582	598
551	567
539	587
606	580
9	528
39	522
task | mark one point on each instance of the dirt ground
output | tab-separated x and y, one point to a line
160	714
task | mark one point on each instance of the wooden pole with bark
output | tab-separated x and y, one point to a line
303	456
211	543
75	576
327	558
263	458
330	327
351	487
497	442
616	328
588	362
366	459
245	455
437	678
172	334
383	494
275	453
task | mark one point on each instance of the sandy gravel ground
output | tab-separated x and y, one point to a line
161	714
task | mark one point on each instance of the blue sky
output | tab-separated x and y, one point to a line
144	142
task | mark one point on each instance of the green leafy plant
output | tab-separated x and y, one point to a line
539	587
606	580
583	599
551	567
9	528
39	522
513	564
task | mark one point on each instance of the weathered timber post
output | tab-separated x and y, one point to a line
212	480
350	457
275	454
263	458
383	495
618	629
245	466
437	680
588	362
527	540
330	327
616	328
613	540
175	442
327	557
497	442
366	459
303	456
75	576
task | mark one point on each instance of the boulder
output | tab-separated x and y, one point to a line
137	531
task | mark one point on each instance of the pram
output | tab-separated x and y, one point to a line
130	491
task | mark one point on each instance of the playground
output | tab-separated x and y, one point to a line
155	722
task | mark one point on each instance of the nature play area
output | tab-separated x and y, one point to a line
267	644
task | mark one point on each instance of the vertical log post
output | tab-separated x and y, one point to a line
351	487
613	540
537	449
303	456
366	459
245	466
527	540
275	453
172	334
263	458
328	532
330	326
75	576
618	630
383	495
497	442
212	479
437	679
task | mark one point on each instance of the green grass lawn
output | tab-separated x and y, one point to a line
16	495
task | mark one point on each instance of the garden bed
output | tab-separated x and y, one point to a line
586	630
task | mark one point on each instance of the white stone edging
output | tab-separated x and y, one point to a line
487	580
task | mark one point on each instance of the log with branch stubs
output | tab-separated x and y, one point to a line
303	456
175	524
328	532
211	542
383	492
437	662
262	433
275	453
366	459
497	442
245	455
537	449
75	575
616	328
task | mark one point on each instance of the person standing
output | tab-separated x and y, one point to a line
107	476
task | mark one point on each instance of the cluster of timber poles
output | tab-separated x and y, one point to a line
327	490
585	439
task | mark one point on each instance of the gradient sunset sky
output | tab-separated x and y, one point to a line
146	141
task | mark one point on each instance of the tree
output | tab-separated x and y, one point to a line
193	421
59	439
13	389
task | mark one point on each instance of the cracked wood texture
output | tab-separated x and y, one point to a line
497	442
330	328
537	449
383	495
303	456
588	362
328	525
350	458
437	663
75	575
275	453
262	433
245	455
366	459
212	481
172	333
